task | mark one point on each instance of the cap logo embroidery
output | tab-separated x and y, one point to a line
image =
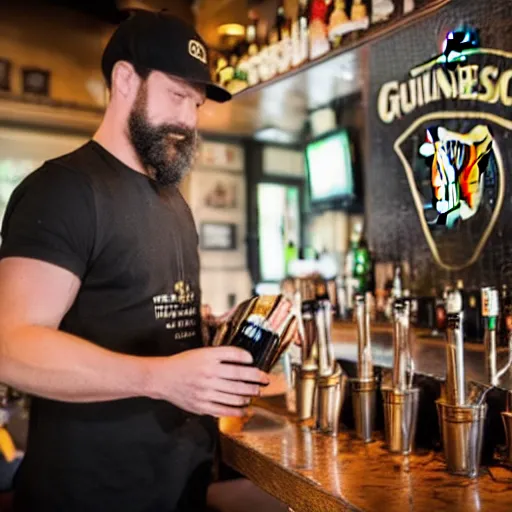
197	50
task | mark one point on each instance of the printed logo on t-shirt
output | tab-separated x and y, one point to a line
179	309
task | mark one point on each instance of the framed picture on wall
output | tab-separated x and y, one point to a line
218	236
5	74
220	191
36	81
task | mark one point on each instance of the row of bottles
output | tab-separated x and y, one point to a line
261	56
427	311
312	30
431	313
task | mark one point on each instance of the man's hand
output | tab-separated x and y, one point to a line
210	380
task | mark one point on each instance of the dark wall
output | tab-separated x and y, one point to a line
396	213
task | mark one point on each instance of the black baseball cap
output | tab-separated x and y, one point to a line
161	42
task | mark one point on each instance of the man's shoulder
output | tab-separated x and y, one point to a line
65	175
78	168
81	160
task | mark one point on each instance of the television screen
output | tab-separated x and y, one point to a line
329	168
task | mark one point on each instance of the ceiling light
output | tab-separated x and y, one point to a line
231	30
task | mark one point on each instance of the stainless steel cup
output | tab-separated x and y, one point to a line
400	418
331	394
363	403
462	429
305	390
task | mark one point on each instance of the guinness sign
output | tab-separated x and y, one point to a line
451	110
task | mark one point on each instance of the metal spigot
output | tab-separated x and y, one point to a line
323	319
305	373
490	313
461	418
364	385
455	380
403	363
306	299
401	400
364	348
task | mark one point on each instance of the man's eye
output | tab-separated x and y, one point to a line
179	95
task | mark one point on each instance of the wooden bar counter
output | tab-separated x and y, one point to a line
311	472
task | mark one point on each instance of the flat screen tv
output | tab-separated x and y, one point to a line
330	171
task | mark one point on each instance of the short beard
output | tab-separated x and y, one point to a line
166	159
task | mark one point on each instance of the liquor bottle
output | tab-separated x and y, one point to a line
440	311
272	53
362	267
382	10
408	6
414	302
318	41
283	27
268	56
396	291
224	71
338	22
473	315
251	59
300	34
238	80
348	274
341	298
282	24
460	287
359	15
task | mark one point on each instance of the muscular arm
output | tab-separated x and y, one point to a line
37	358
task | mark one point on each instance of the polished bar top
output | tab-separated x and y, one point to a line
312	472
428	352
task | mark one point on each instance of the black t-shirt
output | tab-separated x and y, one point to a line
134	247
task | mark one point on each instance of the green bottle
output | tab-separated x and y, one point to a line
362	268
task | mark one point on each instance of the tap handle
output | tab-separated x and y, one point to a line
490	302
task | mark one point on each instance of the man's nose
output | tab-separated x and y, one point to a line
188	115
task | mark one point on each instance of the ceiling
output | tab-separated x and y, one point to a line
114	11
206	14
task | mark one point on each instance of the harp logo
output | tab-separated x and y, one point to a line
450	153
458	163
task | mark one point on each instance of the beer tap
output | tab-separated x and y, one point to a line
323	319
402	358
305	373
305	299
364	385
490	313
364	349
461	415
331	380
455	379
401	400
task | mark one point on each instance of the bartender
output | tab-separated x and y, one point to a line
100	298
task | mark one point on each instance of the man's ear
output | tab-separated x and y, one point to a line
125	81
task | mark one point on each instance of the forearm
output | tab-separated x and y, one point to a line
45	362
